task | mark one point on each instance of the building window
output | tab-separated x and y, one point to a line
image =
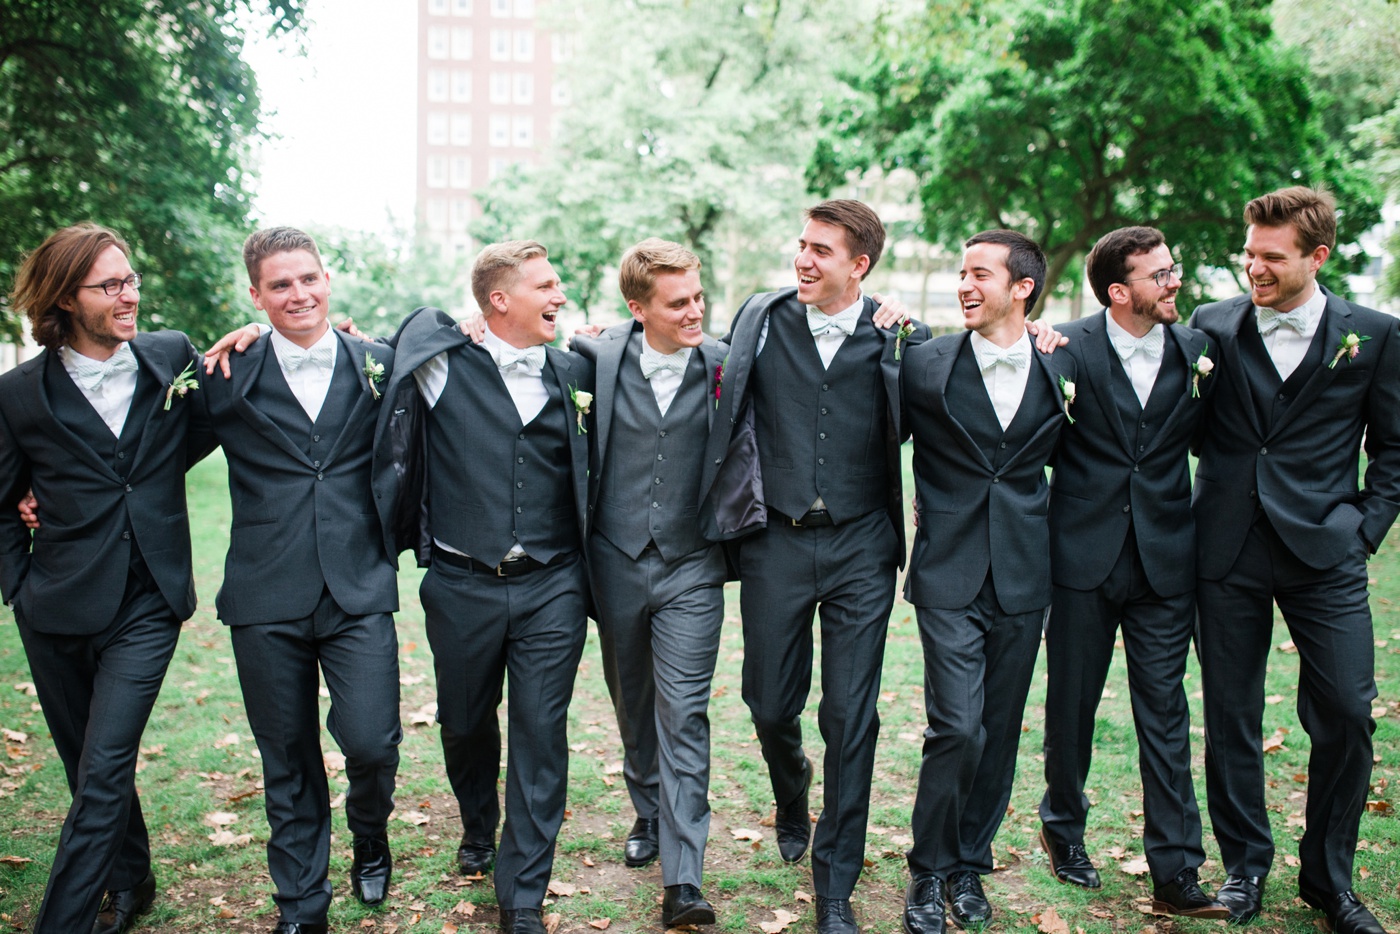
524	45
437	213
437	129
462	86
461	7
523	91
523	131
437	85
461	172
561	46
500	7
437	7
461	43
499	167
437	172
437	41
461	213
500	87
500	45
500	130
525	9
559	94
461	129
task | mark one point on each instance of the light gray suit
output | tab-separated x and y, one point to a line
657	585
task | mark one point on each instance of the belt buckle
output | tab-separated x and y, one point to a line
500	569
796	523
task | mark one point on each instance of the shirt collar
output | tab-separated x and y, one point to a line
978	342
1117	330
859	300
281	344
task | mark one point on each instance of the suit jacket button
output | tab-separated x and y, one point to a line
128	487
996	479
126	536
1136	468
1263	451
718	461
1126	508
320	476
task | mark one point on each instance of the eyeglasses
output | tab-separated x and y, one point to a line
115	286
1161	276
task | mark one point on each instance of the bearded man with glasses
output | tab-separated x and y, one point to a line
98	425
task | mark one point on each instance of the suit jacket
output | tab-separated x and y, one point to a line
1300	465
401	477
976	516
731	488
69	576
290	509
1105	481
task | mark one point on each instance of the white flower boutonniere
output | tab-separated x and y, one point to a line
181	385
374	372
1067	392
1200	370
583	402
1349	347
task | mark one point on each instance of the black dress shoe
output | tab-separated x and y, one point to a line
1184	896
475	857
966	899
299	927
1070	863
642	843
1345	913
684	904
833	914
1242	895
793	824
521	921
923	906
119	909
372	868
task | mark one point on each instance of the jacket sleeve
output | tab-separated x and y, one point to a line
15	538
1380	494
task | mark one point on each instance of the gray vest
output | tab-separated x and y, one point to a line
491	481
650	482
821	432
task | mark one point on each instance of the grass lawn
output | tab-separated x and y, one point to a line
201	789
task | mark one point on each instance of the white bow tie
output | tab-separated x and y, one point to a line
321	356
91	372
1270	319
821	323
654	361
1016	356
528	359
1151	344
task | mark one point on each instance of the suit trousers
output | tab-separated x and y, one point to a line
97	692
1079	638
482	627
658	628
277	670
1329	619
978	663
846	574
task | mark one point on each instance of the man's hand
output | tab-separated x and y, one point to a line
914	503
890	313
239	340
1046	337
348	326
587	330
29	510
474	327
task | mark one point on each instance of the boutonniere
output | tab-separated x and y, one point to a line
1349	347
583	401
906	327
719	378
1200	370
1067	391
181	385
374	372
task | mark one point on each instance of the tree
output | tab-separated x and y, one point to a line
136	114
1067	119
696	133
377	279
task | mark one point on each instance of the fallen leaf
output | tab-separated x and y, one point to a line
1050	922
1290	860
14	860
744	833
448	928
220	818
1274	699
781	919
802	896
230	739
229	838
1378	711
1364	873
15	736
1134	867
600	924
27	688
589	862
424	716
560	889
1275	742
1288	648
465	909
551	922
334	762
416	818
1378	807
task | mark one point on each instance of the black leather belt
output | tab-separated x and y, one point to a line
812	519
510	567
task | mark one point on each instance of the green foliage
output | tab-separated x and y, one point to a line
135	114
1070	118
377	280
689	135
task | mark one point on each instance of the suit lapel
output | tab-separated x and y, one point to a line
889	368
50	422
259	355
1191	344
159	368
562	365
712	355
1336	321
744	350
609	370
1044	364
1240	316
936	376
1099	362
354	351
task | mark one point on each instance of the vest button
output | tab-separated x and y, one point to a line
315	437
1142	424
520	460
315	463
825	387
521	436
320	476
821	461
822	435
519	510
520	484
121	455
655	505
718	461
661	457
1126	508
996	479
1003	444
126	536
663	433
656	480
1282	397
823	411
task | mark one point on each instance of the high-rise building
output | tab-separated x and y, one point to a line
487	96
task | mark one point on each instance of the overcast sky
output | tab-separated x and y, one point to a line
343	117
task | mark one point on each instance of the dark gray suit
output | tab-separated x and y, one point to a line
1123	552
99	592
1279	518
309	582
492	482
979	578
658	585
797	431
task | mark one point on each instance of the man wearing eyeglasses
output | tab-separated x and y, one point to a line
99	426
1123	555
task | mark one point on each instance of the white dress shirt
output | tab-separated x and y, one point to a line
524	382
112	397
1142	366
827	344
311	381
1006	385
1287	347
666	380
